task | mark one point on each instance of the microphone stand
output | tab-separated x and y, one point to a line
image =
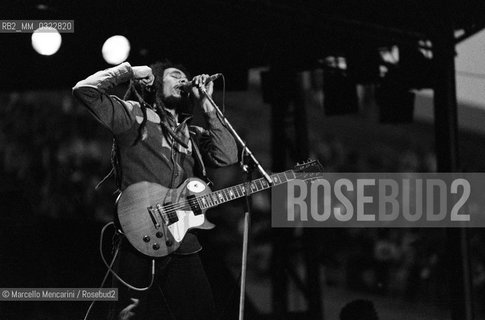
247	218
246	168
236	136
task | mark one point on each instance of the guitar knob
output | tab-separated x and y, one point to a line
156	246
159	234
169	243
146	238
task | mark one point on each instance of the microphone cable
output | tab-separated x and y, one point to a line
110	269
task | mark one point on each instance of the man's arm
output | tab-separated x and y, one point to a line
114	113
217	145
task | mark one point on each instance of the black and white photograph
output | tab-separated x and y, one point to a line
242	160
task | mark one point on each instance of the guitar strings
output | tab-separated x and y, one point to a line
194	201
183	204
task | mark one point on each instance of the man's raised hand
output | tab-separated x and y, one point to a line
144	75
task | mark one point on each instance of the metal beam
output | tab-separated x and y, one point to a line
446	133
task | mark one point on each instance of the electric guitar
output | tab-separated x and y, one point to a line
155	219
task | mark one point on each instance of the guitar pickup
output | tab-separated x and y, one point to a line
194	205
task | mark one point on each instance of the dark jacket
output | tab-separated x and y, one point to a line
157	158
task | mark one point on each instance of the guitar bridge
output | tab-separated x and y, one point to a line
151	212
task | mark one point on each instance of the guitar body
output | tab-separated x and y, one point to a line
155	219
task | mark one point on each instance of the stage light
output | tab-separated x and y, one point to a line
116	49
46	41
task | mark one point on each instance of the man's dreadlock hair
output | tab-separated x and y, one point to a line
153	98
149	98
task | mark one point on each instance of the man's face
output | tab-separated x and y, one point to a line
172	78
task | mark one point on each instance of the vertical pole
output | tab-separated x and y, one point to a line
310	235
446	139
280	100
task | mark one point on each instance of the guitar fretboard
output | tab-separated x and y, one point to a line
231	193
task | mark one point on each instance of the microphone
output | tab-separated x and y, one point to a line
186	87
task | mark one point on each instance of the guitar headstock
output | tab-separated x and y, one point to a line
309	166
311	169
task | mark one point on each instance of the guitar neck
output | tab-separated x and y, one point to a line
218	197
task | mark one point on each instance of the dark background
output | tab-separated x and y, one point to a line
53	153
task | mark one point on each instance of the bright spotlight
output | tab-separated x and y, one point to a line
116	49
46	41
